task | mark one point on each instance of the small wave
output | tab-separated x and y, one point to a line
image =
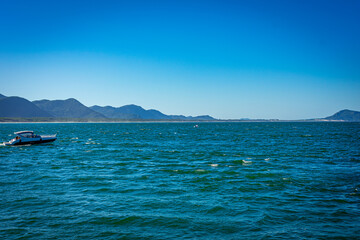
25	145
104	189
355	159
216	209
354	194
246	163
306	135
115	221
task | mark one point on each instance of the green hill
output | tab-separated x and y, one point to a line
345	115
69	108
20	107
137	112
129	112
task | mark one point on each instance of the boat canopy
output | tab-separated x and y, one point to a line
24	132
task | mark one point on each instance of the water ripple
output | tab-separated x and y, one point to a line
174	181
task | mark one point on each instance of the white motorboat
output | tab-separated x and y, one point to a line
28	137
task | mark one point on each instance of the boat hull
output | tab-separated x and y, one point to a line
17	143
34	142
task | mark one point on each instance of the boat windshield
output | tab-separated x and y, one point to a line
27	135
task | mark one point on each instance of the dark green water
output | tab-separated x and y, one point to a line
175	181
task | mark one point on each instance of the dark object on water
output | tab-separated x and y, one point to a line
28	137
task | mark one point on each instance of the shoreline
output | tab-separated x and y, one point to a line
175	121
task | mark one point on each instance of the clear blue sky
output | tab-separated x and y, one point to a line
230	59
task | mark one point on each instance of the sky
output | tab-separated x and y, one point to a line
229	59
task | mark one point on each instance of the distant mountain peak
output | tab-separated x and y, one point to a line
132	111
69	108
132	106
345	115
20	107
345	111
72	108
71	100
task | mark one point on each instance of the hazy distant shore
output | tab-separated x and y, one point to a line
68	120
17	109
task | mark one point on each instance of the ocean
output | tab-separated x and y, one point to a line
281	180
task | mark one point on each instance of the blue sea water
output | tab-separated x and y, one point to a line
178	181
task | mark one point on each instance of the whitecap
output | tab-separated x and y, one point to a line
214	165
245	163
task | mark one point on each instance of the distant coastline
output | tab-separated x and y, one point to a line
17	109
71	120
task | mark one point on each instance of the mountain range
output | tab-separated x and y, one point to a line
17	107
20	107
137	112
69	108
